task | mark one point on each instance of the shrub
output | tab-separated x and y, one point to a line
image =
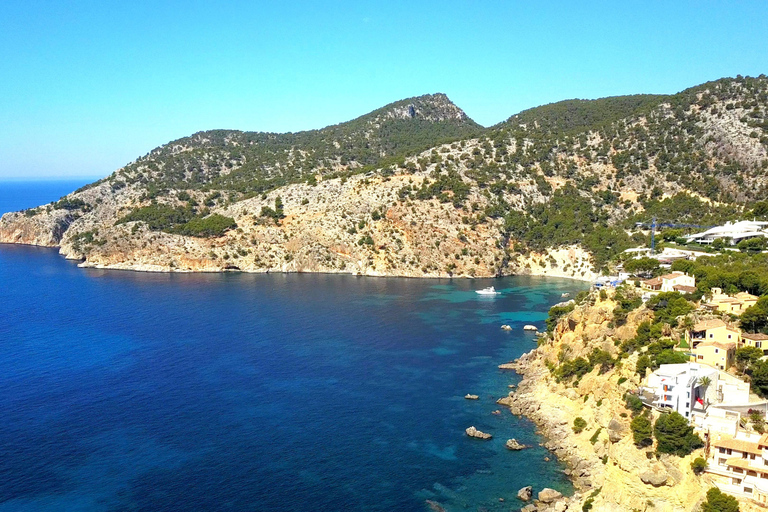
698	465
579	424
633	403
595	436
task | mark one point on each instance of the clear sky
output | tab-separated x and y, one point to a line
88	86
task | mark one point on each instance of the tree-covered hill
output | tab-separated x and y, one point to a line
251	162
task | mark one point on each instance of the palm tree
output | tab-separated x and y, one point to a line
705	381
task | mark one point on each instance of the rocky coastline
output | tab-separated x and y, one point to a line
608	471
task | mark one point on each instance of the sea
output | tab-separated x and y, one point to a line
129	391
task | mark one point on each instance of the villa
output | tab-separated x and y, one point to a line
731	304
715	353
758	340
713	329
732	232
674	282
739	465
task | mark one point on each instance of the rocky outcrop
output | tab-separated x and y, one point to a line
512	444
473	432
548	495
526	493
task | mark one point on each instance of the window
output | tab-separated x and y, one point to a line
729	336
729	451
717	351
722	450
748	489
699	357
738	470
759	344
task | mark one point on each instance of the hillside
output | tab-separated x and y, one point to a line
416	188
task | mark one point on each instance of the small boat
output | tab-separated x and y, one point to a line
487	291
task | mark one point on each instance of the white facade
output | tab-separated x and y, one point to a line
734	232
678	387
669	281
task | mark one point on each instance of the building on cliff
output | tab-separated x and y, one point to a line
690	388
739	465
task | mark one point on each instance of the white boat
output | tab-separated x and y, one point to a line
487	291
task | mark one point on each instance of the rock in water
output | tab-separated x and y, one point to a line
506	327
473	432
512	444
530	328
471	397
548	495
526	493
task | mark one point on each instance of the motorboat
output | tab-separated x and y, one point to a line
487	291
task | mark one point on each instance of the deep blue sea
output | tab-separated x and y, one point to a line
125	391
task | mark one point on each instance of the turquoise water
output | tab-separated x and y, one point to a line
134	391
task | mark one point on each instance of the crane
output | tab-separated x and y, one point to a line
653	225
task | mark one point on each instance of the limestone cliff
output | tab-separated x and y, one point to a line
612	471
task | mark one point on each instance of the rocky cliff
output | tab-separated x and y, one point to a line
602	460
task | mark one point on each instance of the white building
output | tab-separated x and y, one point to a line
739	465
733	232
679	387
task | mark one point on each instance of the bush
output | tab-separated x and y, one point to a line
595	436
579	424
718	501
556	313
698	465
675	436
633	403
642	431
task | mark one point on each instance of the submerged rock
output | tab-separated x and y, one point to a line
473	432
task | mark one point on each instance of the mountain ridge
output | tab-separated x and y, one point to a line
416	188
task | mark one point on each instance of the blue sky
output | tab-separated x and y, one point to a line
88	86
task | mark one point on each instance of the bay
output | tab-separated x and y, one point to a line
165	392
